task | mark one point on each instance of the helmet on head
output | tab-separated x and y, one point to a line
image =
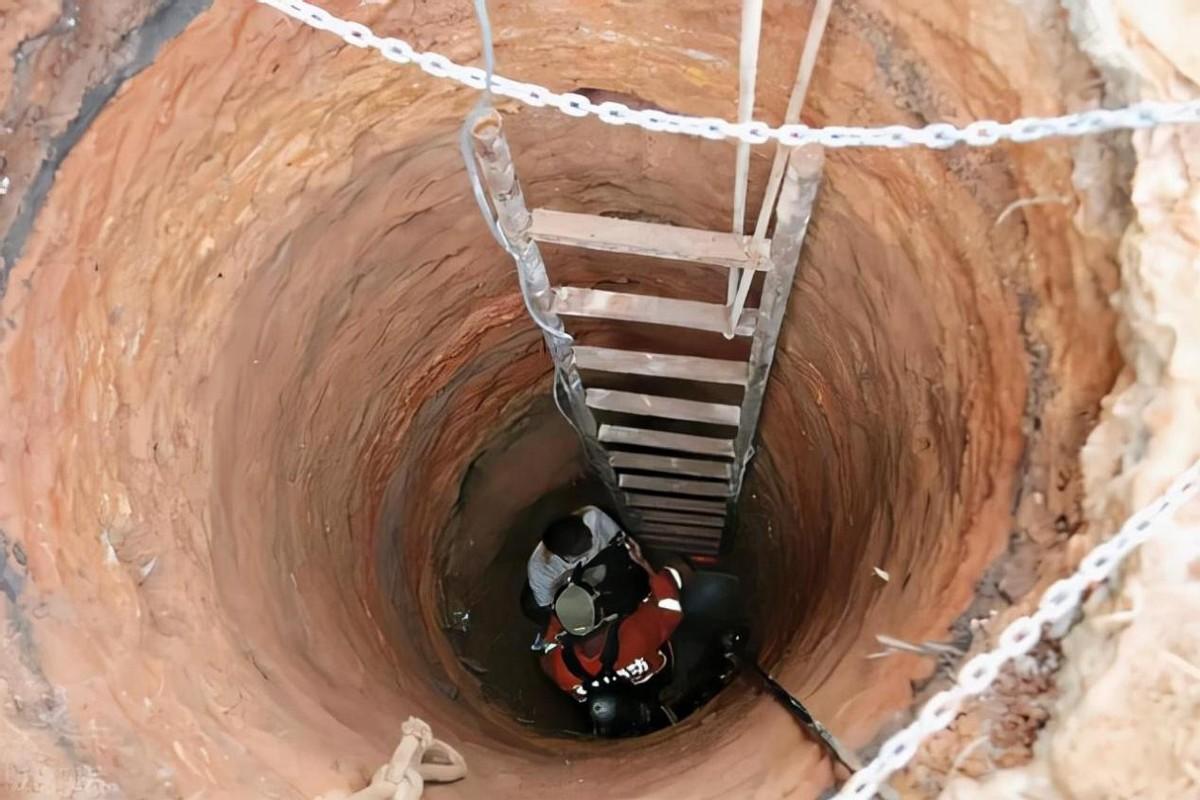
576	609
619	714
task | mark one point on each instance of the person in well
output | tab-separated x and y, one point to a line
592	652
593	543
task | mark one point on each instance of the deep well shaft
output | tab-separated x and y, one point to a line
274	410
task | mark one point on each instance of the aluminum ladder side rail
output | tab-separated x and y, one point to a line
796	198
500	180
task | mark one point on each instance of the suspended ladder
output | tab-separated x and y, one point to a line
674	489
674	461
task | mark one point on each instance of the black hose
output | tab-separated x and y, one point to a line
735	651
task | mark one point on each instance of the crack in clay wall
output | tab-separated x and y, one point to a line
259	336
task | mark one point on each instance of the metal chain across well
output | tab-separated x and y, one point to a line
1021	636
938	135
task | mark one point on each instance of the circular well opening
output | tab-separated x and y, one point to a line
297	380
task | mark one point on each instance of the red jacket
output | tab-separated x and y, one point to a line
642	640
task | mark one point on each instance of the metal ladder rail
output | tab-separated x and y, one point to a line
793	212
797	195
512	216
685	475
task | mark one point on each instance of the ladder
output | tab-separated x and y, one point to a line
673	464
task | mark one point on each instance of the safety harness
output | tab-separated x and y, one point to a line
606	675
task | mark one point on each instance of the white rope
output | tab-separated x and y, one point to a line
808	60
1022	634
938	135
747	77
489	217
791	116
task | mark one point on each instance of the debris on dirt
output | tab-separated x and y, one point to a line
883	574
146	569
446	688
934	649
459	621
473	666
1025	202
110	552
996	731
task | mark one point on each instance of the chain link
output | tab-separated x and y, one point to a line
938	136
1021	635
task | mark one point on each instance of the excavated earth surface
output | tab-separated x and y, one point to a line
274	416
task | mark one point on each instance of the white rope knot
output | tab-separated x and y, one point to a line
418	758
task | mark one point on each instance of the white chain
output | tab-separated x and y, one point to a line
939	135
978	674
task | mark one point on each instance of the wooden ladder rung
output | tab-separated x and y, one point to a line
662	440
682	531
573	301
700	547
649	239
658	365
651	405
697	520
636	500
651	483
650	462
